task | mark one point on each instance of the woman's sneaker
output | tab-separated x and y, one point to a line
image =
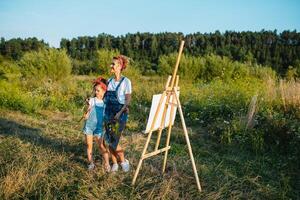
125	166
91	166
114	167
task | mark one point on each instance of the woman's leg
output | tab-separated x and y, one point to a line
89	147
114	155
124	163
120	154
114	158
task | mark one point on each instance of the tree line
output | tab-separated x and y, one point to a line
16	47
280	51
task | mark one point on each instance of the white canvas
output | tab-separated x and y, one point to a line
154	106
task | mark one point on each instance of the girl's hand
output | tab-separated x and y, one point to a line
86	115
87	101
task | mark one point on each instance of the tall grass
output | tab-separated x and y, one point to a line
44	158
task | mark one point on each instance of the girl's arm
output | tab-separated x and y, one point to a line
87	110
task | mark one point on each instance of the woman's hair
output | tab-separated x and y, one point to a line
100	81
123	60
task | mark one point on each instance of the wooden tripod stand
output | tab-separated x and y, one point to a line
172	101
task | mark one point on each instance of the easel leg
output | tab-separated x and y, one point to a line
148	139
170	125
169	132
141	159
188	143
167	144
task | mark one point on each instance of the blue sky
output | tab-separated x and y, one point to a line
55	19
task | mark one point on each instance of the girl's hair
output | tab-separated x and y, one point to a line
100	81
123	60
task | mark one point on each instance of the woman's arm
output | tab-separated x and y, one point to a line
125	108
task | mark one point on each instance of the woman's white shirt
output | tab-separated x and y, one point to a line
125	88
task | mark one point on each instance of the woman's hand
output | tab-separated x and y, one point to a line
126	110
117	116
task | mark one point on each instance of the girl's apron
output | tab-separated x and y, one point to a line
94	122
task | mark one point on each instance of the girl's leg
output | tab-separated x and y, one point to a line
89	147
104	151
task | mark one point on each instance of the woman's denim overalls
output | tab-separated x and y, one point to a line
94	124
113	127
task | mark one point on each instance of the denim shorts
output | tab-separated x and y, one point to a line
92	130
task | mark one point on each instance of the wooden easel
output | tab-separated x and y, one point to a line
170	93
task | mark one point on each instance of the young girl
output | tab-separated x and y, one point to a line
117	100
94	123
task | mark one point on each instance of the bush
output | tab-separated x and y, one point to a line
102	61
9	70
39	80
13	98
211	67
82	67
45	64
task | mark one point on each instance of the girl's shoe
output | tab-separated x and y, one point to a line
114	167
125	166
91	166
107	168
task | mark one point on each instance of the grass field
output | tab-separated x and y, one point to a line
42	156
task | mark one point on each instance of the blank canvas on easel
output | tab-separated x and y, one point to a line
154	106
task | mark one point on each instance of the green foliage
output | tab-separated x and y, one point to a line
132	71
11	94
265	47
12	97
15	48
9	70
291	73
210	67
47	63
297	67
80	67
262	72
216	67
102	61
39	80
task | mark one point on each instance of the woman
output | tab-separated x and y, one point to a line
117	100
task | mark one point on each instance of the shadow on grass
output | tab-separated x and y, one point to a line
36	137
